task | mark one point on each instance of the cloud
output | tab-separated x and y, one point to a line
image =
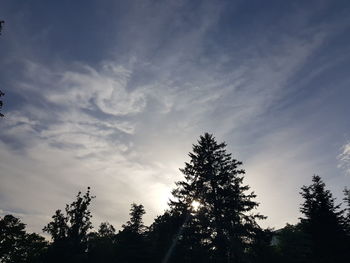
124	125
344	158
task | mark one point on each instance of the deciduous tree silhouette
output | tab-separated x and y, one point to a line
101	244
17	246
69	231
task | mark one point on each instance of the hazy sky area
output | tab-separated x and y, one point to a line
112	95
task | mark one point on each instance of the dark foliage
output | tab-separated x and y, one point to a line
347	211
210	219
101	245
224	228
17	246
292	244
69	231
323	223
131	241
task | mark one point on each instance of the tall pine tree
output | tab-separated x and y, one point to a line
323	222
217	203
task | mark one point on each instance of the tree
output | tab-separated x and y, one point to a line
131	242
292	244
69	231
106	230
135	224
323	222
17	246
101	244
223	223
163	235
347	210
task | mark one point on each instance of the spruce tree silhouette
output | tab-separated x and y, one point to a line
323	222
131	242
223	228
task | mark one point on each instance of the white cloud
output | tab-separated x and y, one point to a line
125	128
344	158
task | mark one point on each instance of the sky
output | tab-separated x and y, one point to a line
112	95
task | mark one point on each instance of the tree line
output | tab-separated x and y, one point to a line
211	218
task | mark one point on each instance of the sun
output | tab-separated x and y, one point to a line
195	205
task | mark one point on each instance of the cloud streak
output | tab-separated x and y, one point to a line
124	124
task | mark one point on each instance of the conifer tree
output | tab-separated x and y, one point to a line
131	243
222	222
323	222
347	210
135	224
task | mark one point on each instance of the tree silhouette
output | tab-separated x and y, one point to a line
101	244
131	243
347	210
69	232
223	223
106	230
293	244
163	236
135	224
323	222
16	246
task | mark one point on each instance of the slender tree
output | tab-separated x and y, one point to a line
131	242
217	202
135	224
69	231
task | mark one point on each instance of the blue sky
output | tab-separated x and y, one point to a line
112	94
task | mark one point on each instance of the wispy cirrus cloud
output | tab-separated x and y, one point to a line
121	115
344	158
